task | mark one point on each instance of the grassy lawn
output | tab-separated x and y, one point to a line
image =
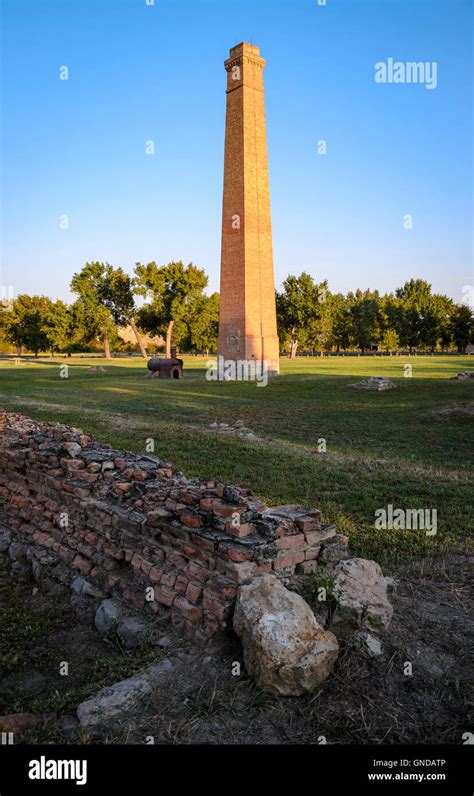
409	447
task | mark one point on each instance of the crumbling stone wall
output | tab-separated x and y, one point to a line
140	531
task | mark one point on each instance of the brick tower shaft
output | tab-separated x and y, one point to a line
247	315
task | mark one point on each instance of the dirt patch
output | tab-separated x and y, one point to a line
203	700
450	412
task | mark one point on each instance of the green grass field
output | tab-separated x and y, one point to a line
410	447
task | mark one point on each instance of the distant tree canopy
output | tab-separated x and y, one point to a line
299	308
310	316
25	321
173	305
174	293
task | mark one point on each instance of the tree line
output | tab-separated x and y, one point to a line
169	301
175	307
310	317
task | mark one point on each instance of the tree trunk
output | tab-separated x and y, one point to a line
294	344
139	339
106	347
168	339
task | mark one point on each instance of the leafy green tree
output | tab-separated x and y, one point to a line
341	321
5	343
364	318
392	318
390	340
298	307
435	321
462	326
117	296
415	296
58	326
96	319
203	323
24	324
170	292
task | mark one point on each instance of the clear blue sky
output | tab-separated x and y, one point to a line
139	72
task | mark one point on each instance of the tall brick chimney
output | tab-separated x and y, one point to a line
247	318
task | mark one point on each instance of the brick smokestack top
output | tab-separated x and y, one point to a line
247	319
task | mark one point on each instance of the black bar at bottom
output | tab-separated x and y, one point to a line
326	768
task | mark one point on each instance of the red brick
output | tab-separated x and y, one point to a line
135	474
165	595
260	569
20	501
224	588
111	550
181	583
175	559
73	464
198	572
90	478
288	560
155	574
239	554
309	522
82	565
146	567
206	504
227	510
245	529
287	542
315	538
240	572
187	609
194	591
168	579
213	605
190	519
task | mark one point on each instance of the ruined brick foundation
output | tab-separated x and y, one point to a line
138	530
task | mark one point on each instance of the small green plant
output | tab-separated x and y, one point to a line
256	698
205	702
319	587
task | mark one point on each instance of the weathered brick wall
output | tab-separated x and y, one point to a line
128	522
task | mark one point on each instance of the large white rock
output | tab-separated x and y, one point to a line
361	590
285	650
113	703
116	702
